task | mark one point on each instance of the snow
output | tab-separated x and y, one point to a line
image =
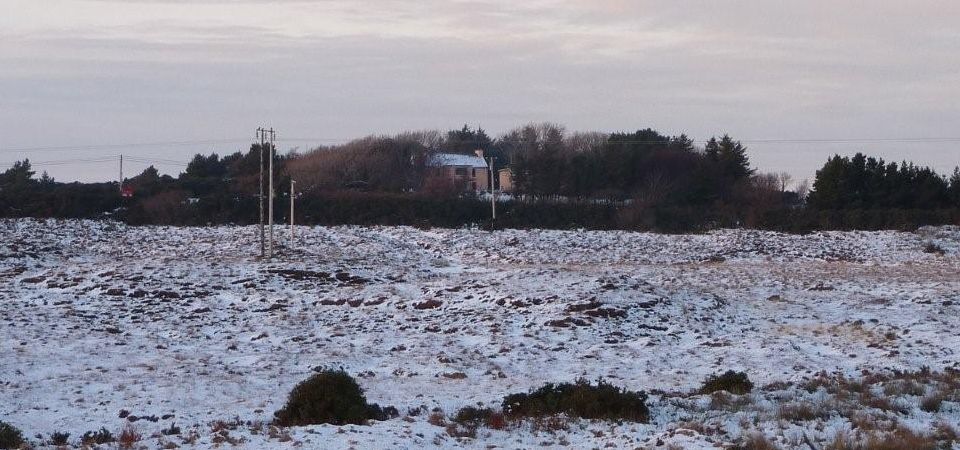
458	160
187	326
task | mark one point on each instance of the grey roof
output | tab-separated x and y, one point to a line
457	160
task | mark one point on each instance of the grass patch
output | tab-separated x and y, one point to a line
757	441
932	403
579	399
332	397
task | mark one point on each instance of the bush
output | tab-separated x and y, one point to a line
97	437
129	436
10	436
930	247
471	414
330	396
580	399
733	382
932	403
756	441
59	438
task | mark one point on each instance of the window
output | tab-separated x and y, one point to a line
474	172
460	171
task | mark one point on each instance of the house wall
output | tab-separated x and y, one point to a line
505	180
466	178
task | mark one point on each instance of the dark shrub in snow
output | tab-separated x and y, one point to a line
329	396
59	438
97	437
10	436
473	417
730	381
579	399
930	247
472	414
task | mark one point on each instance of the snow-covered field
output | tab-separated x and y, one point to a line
186	326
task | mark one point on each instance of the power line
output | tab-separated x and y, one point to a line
120	146
170	162
138	145
102	159
162	161
68	161
134	145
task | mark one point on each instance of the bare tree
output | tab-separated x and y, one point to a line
785	179
582	142
803	189
767	182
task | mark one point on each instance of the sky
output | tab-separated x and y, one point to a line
797	81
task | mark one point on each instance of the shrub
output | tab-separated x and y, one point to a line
901	438
730	381
59	438
802	412
930	247
97	437
757	441
10	436
173	430
129	436
330	396
473	416
932	403
580	399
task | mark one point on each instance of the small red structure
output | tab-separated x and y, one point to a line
126	192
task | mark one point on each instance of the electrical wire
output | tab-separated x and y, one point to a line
129	147
140	145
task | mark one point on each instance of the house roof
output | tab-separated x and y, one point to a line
457	160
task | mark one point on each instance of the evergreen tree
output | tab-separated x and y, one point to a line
732	156
20	175
954	192
467	140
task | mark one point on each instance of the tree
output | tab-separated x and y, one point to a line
954	192
18	176
784	179
205	166
829	186
466	140
863	182
732	156
803	190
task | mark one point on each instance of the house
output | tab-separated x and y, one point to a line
464	172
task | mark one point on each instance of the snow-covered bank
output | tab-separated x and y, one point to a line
185	326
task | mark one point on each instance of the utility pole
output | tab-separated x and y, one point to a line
270	197
121	174
493	190
292	196
260	135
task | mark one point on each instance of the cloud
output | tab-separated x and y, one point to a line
135	71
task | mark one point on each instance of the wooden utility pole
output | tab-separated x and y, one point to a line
270	196
292	196
263	250
493	190
121	174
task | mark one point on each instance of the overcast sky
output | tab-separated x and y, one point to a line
92	73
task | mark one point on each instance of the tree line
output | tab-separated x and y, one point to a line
629	180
